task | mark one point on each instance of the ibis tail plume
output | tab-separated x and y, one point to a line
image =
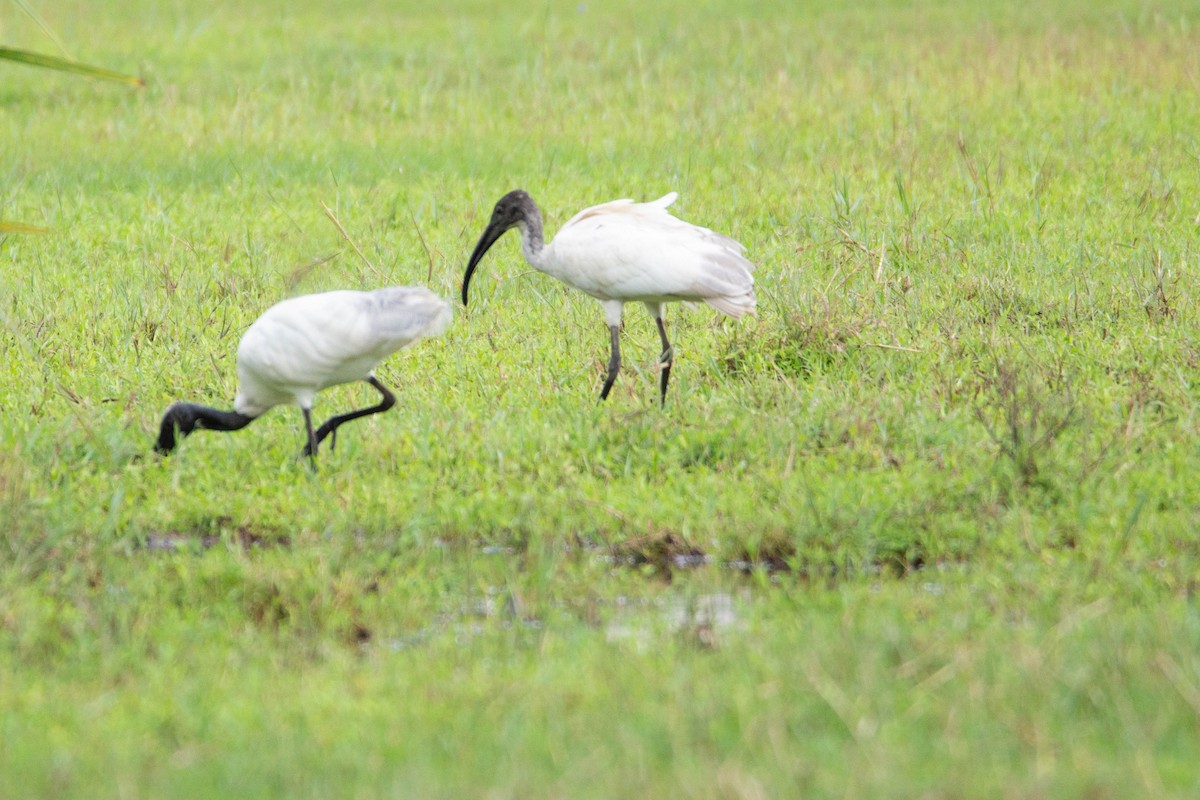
303	345
624	251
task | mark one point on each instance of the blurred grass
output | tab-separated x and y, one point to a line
964	420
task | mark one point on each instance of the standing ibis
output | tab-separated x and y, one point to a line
625	251
303	345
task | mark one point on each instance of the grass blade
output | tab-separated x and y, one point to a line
65	65
20	227
41	23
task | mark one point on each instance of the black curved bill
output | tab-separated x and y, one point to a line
488	239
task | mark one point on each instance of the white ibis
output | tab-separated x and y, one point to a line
625	251
303	345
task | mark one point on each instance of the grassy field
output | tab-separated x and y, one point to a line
927	526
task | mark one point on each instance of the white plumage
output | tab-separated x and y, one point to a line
301	346
623	251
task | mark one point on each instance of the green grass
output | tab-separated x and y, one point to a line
962	432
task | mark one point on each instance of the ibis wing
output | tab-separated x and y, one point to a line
404	314
641	252
626	206
335	337
613	206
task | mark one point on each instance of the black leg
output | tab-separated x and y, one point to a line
614	362
188	417
666	359
331	425
310	449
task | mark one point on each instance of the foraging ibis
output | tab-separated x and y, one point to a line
303	345
625	251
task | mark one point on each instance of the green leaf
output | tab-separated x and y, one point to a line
65	65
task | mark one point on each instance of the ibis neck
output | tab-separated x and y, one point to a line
531	238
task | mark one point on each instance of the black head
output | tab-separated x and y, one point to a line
515	207
511	209
180	416
188	417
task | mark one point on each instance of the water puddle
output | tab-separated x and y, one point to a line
195	541
496	609
700	620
